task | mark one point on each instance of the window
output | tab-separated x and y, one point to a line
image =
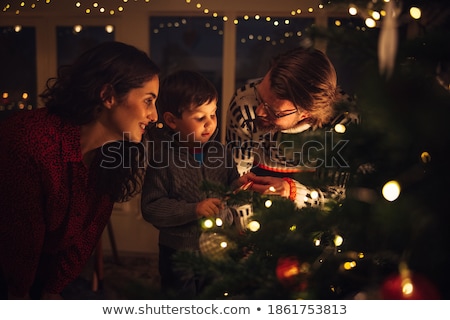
18	65
74	40
192	43
258	40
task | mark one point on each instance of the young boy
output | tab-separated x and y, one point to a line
182	154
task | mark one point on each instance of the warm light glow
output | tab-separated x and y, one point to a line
337	23
268	203
370	23
338	240
317	242
17	28
376	15
271	188
407	287
219	222
415	12
293	228
425	157
253	226
208	223
5	95
25	96
223	244
77	28
314	195
391	190
349	265
340	128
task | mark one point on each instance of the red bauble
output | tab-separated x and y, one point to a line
414	287
290	272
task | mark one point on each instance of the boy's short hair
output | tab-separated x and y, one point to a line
184	90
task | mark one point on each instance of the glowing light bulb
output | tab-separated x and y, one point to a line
340	128
268	203
208	223
370	23
415	13
254	226
338	240
391	190
353	11
425	157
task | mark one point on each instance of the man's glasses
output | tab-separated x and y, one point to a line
268	109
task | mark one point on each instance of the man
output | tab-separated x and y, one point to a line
271	128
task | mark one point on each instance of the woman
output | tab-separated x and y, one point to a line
63	167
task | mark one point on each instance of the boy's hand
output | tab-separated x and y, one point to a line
209	207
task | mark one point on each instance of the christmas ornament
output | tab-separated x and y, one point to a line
388	40
214	245
290	272
411	286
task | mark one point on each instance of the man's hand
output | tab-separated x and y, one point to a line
271	186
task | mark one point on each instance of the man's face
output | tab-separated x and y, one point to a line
274	114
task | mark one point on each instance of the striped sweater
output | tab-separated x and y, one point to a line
286	152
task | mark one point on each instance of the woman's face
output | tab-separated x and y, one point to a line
130	117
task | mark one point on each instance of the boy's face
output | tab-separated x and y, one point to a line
199	124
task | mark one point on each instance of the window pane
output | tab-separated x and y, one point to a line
193	43
18	64
350	47
74	40
258	40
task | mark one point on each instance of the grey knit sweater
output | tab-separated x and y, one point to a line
172	182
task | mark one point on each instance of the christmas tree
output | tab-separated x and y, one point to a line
388	238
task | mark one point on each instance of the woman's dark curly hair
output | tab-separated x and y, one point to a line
76	96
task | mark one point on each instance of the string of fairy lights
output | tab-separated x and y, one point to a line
371	16
111	8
